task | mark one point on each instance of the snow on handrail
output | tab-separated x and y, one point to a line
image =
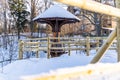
90	72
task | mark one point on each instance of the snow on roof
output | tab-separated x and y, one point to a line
56	12
108	28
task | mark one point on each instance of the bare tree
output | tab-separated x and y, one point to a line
95	19
37	7
5	8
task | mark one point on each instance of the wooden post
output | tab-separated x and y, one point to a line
118	32
48	51
37	51
104	47
97	44
87	45
79	44
37	55
69	47
21	49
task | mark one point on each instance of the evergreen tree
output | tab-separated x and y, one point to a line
19	12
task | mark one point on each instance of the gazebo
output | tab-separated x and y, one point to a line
56	16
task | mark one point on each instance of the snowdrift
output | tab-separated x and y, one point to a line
89	72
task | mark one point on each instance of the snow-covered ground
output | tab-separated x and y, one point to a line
33	66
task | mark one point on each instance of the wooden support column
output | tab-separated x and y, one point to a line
118	32
104	47
57	35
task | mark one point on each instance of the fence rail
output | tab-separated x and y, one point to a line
68	44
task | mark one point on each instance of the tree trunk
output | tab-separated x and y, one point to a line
118	31
97	24
5	28
33	25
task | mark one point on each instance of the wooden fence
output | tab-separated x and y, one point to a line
68	44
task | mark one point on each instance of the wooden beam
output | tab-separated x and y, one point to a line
93	6
105	46
118	32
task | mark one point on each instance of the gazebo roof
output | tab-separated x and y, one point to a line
56	12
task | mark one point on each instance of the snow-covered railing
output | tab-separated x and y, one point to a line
67	44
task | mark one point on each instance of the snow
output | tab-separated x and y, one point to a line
37	66
89	72
56	12
34	66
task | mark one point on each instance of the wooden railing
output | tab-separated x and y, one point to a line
68	44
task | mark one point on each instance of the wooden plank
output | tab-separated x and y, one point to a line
110	48
67	48
31	42
70	42
28	39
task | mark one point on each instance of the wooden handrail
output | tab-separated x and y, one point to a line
77	73
93	6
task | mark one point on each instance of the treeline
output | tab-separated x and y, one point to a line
16	16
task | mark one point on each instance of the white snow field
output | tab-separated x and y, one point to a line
36	66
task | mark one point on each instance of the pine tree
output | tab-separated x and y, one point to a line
19	12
